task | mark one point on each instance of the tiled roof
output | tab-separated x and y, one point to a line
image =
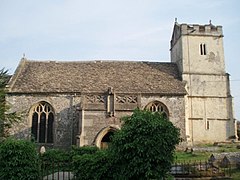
96	76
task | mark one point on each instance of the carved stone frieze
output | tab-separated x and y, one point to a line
94	98
126	99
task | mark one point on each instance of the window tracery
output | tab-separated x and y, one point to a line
157	106
42	123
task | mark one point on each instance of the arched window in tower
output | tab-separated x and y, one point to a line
203	49
157	106
42	123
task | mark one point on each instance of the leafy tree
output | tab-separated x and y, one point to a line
19	160
6	118
144	147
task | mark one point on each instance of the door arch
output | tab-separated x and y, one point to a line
104	136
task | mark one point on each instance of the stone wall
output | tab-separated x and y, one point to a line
176	108
66	116
79	119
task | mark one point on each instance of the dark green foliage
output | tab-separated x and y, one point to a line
83	150
92	166
3	82
60	160
6	118
19	160
55	155
90	163
55	160
4	77
59	155
144	147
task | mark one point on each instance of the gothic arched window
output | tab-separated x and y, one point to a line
42	123
157	106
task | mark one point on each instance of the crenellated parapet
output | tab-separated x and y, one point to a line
203	30
195	30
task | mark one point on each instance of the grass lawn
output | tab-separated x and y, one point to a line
181	156
235	174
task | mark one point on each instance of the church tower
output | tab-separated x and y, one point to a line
198	51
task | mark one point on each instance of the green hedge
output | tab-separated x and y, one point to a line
61	160
83	150
92	166
18	160
58	155
55	155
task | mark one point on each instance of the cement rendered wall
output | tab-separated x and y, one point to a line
208	105
208	91
186	54
207	85
177	55
209	120
211	63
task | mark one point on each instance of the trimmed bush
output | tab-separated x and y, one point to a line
55	155
59	155
19	160
83	150
92	166
55	160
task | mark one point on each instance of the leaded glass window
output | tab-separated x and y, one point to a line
42	123
157	106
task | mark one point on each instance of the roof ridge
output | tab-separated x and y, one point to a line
97	60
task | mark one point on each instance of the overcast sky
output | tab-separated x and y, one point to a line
111	30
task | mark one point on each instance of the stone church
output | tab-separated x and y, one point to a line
81	103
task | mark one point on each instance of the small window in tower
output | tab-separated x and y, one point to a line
207	125
203	49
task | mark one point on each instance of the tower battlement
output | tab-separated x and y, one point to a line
203	30
195	30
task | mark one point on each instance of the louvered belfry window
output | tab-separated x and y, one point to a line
42	123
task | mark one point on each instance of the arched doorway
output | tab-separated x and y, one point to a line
104	136
106	140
